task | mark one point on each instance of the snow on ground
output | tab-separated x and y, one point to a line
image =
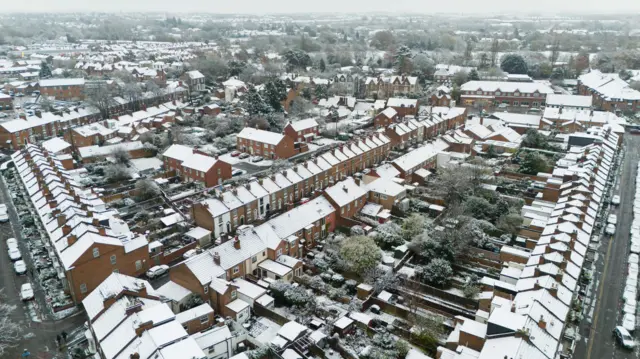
230	159
264	330
65	313
142	164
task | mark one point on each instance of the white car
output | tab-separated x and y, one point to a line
613	219
630	308
610	229
630	294
632	270
14	254
615	200
4	214
629	322
633	258
190	253
624	338
26	292
157	271
20	267
12	243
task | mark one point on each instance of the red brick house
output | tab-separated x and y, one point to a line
194	166
403	106
267	144
347	197
385	118
303	130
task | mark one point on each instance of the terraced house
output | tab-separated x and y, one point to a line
86	240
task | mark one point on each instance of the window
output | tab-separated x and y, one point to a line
234	294
96	253
383	196
206	289
186	328
116	270
83	288
236	269
138	264
113	259
254	259
204	319
279	252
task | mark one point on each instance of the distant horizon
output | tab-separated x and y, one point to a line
290	7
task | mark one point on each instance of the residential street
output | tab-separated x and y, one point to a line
603	306
39	336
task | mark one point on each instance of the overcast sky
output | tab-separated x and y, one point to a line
289	6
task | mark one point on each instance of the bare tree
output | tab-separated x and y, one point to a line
100	97
121	155
10	331
153	87
133	93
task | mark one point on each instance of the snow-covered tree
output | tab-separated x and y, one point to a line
121	155
274	93
45	70
361	253
255	103
356	231
147	189
412	226
10	331
380	279
437	272
116	173
402	60
389	234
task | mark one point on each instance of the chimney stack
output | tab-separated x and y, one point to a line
236	242
542	323
216	258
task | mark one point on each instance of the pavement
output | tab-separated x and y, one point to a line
39	327
603	307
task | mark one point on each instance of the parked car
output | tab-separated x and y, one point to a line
14	254
615	200
237	172
610	230
244	155
629	322
157	271
235	153
20	267
190	253
12	243
624	338
613	219
4	215
26	292
256	159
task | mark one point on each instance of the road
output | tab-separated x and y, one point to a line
39	337
603	310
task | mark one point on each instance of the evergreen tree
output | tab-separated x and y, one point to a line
274	93
45	70
514	64
402	61
473	75
255	104
322	66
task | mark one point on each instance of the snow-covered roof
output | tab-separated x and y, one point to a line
97	151
173	291
55	145
402	102
569	100
416	157
199	162
194	313
300	217
249	289
178	152
261	136
275	267
238	305
304	124
509	87
209	338
61	82
292	330
345	192
111	287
